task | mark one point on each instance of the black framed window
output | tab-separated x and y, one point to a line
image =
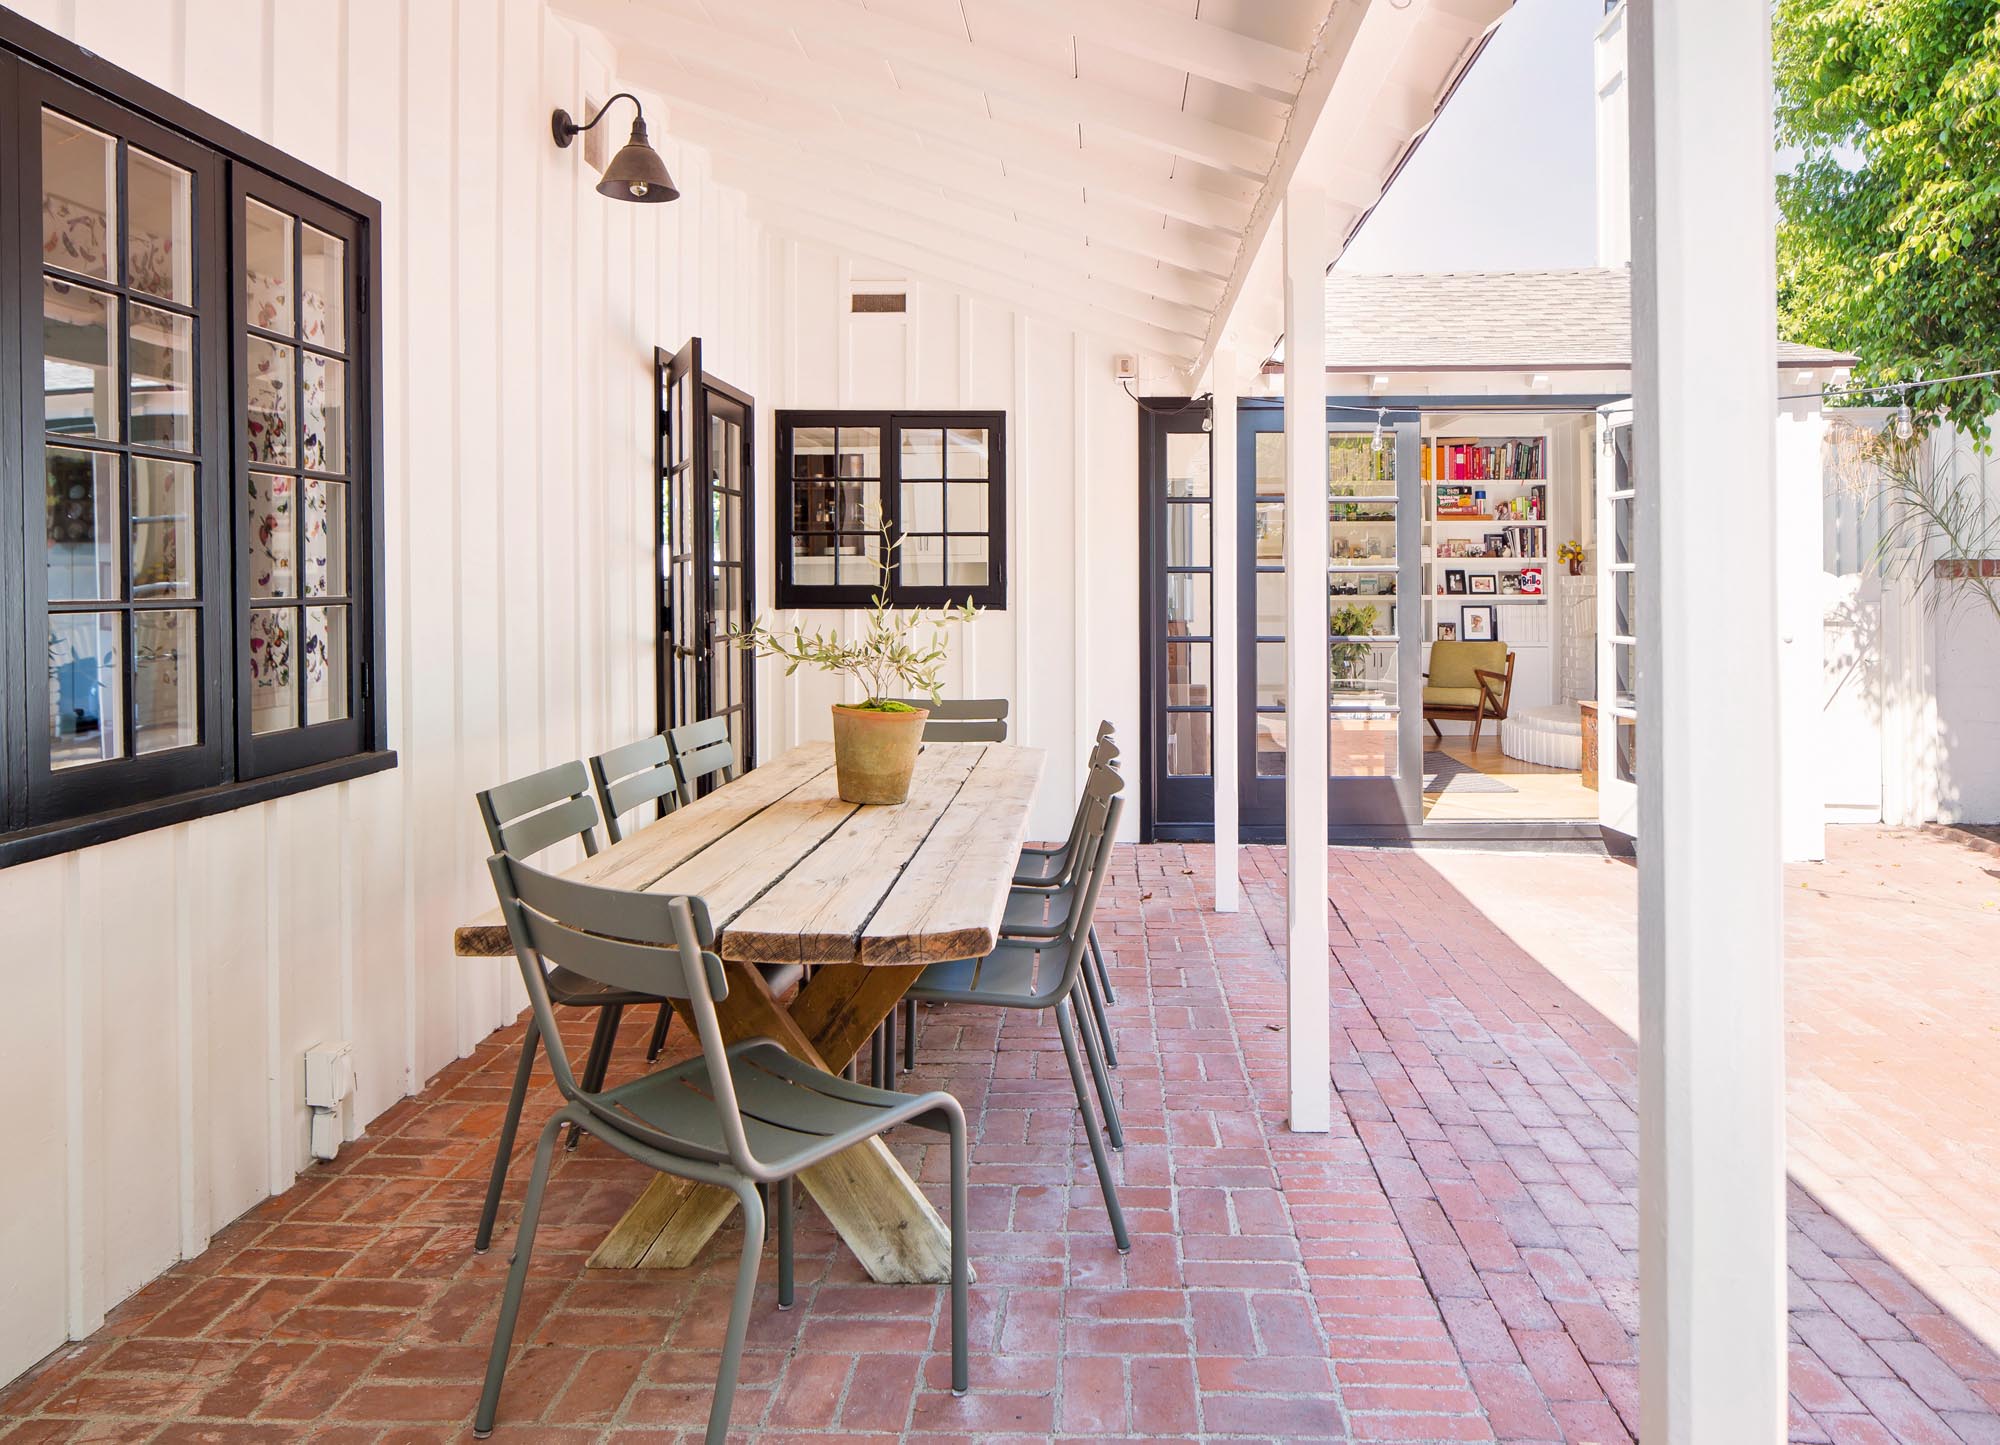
189	604
934	482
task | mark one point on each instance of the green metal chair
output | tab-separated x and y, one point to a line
963	719
522	818
701	750
738	1116
1044	867
1032	974
630	777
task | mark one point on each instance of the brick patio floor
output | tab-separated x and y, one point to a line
1456	1261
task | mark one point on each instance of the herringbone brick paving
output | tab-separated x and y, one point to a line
1455	1261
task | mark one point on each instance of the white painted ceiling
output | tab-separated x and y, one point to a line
1114	162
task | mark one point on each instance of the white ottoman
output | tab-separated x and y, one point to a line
1551	736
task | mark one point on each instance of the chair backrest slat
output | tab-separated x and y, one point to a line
701	749
652	943
632	776
1099	833
963	719
526	815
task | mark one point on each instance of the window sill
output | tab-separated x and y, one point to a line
74	833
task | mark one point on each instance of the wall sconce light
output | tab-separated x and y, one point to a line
636	173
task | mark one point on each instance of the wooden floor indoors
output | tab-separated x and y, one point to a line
1538	792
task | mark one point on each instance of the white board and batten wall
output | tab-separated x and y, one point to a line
166	986
173	981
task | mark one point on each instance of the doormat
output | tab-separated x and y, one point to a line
1444	773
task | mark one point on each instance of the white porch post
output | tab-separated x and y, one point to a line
1226	725
1711	988
1308	1023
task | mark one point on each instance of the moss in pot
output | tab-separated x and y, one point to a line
899	651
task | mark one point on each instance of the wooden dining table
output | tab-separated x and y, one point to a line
868	895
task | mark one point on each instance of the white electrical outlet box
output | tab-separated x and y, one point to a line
329	1074
1125	368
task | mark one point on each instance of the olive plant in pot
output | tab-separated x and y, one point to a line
899	652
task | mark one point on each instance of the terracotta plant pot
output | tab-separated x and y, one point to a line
874	753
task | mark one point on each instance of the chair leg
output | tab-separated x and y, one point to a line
909	1034
739	1316
785	1219
1093	1134
1096	998
517	1275
1093	1053
1103	973
522	1072
1435	728
889	1050
1478	721
961	1221
659	1040
598	1063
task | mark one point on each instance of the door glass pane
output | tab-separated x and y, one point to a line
1351	541
1269	453
273	544
1270	524
162	378
1188	750
965	453
1355	467
274	694
1621	529
322	289
967	557
86	688
81	490
1188	682
163	544
1270	745
79	361
1625	603
923	453
1270	674
1270	604
270	403
1362	745
1188	534
160	243
1188	612
326	664
1627	749
1187	464
166	668
1363	673
1362	603
923	507
323	414
326	537
267	268
79	197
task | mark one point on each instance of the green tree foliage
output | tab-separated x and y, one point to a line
1889	230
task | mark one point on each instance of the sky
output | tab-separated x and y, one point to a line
1506	179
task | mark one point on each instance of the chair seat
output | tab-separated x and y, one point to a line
1038	868
1006	977
1038	911
574	989
792	1112
1451	696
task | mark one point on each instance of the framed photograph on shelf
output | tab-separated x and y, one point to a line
1475	622
1447	632
1496	544
1510	584
1454	581
1483	584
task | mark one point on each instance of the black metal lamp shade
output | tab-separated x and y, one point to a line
636	173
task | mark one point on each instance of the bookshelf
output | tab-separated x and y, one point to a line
1486	524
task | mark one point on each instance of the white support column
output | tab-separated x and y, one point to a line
1226	725
1711	984
1308	1023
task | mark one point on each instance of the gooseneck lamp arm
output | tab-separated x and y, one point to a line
636	173
566	129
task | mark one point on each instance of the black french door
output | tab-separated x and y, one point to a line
705	467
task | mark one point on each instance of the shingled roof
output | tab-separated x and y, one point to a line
1494	320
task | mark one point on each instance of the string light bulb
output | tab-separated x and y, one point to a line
1376	441
1906	426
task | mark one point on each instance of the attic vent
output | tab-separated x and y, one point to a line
878	301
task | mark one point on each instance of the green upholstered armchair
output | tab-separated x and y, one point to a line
1468	682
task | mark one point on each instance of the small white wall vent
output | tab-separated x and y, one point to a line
1125	368
878	303
329	1085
